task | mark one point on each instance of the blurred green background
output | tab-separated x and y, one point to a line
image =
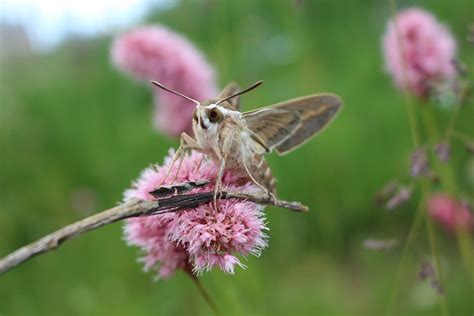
74	133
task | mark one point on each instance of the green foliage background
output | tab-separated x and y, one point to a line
70	121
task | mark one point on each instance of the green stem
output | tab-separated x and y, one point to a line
445	171
465	247
416	143
205	295
448	180
452	120
461	136
411	237
433	248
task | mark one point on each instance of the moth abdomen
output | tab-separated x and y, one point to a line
261	171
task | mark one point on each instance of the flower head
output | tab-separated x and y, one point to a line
157	53
450	214
403	195
211	237
151	234
419	163
443	151
419	51
201	238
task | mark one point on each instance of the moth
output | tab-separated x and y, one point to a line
239	140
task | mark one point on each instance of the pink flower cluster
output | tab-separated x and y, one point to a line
201	238
157	53
419	51
450	214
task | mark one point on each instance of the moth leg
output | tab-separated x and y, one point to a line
264	189
222	156
272	196
199	163
217	188
186	143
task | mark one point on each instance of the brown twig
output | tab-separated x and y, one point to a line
129	209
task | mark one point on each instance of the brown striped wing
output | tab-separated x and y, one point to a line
270	127
314	113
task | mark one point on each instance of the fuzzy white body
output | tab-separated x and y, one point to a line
229	140
210	136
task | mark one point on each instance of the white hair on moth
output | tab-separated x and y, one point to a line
205	120
224	111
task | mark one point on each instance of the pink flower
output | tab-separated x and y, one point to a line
201	238
450	214
157	53
212	237
151	234
418	50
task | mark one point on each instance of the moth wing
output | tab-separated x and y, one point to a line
269	127
316	111
256	144
229	90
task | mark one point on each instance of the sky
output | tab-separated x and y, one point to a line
47	22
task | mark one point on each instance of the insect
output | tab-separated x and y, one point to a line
239	140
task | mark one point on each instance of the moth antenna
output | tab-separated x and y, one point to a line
162	86
255	85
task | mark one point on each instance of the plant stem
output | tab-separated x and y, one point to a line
205	295
433	249
411	237
445	171
465	247
448	180
461	136
416	143
452	120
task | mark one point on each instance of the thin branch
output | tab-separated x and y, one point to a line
134	208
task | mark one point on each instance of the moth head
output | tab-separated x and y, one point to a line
208	114
211	112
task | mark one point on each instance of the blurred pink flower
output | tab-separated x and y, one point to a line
200	238
402	195
450	214
443	151
419	163
420	50
157	53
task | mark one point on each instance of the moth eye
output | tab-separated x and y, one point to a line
214	115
